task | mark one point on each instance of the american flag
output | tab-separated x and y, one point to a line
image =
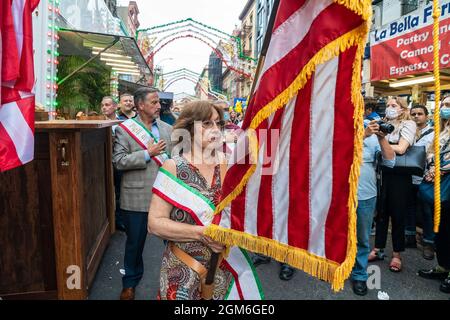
297	202
17	82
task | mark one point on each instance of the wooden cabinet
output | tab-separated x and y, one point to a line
57	212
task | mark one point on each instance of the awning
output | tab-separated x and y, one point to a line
130	87
404	85
127	86
121	53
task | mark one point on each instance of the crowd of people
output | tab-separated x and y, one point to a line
388	195
136	168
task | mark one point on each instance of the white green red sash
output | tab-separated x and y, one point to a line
143	136
245	284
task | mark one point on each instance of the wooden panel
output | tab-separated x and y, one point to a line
66	185
56	212
21	258
93	197
97	253
33	295
27	256
93	138
110	195
75	124
42	158
97	195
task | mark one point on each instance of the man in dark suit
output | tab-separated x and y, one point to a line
139	169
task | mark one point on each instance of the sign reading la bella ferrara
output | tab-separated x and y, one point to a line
405	46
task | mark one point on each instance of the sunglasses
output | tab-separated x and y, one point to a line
208	124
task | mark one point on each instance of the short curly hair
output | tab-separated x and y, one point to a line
200	110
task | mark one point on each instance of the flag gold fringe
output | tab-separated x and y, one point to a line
319	267
316	266
360	7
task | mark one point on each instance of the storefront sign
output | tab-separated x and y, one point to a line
405	46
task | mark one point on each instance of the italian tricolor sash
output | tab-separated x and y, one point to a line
143	136
245	284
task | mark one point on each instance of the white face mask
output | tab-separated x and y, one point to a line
391	113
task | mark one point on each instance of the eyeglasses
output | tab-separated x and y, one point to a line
208	124
417	114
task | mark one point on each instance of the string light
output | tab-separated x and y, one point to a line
52	57
235	41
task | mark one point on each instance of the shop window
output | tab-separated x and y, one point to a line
409	6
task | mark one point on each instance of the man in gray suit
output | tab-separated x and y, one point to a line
137	161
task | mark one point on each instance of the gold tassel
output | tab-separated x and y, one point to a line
360	7
319	267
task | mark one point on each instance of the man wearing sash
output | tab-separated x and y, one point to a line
142	144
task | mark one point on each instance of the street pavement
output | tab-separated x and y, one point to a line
405	285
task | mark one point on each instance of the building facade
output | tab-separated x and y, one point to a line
248	28
129	15
398	58
263	11
201	88
112	6
248	37
215	72
230	85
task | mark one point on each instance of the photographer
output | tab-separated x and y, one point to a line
374	141
395	188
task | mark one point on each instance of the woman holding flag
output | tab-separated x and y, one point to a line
185	193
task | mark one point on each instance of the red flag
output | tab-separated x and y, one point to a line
23	10
17	99
296	201
10	55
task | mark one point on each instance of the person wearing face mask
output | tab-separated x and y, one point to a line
442	238
176	111
395	188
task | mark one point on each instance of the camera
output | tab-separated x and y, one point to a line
385	127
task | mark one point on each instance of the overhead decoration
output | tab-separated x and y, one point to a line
192	76
226	46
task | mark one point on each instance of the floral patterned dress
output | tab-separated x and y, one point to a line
177	280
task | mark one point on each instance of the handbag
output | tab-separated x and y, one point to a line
206	290
412	162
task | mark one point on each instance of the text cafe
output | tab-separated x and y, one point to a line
402	54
